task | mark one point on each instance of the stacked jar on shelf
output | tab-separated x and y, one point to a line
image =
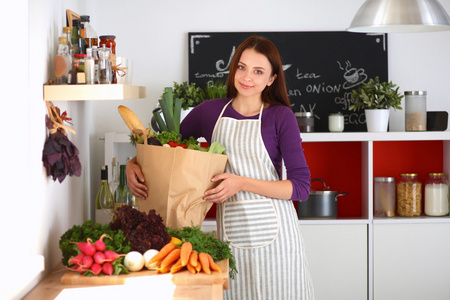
408	193
81	58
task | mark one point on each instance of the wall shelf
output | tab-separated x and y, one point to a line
85	92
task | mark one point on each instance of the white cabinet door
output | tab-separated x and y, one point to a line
412	261
337	256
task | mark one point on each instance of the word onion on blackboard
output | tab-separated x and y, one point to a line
321	68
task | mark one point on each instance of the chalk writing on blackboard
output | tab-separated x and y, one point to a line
321	68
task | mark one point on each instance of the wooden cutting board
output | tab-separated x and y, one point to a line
183	277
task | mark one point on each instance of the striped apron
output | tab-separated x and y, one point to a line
264	233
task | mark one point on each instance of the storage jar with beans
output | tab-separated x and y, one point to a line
409	195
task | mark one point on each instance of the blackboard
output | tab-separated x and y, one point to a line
321	68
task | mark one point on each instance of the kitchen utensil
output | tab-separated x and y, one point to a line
321	203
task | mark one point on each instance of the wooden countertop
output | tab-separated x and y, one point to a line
147	284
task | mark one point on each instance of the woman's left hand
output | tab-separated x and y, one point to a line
230	185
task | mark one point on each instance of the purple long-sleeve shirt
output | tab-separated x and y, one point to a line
280	133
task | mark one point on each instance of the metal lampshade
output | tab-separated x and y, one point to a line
400	16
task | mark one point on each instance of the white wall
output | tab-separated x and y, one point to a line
36	210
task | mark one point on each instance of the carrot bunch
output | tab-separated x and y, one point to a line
172	258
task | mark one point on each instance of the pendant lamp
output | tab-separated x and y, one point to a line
385	16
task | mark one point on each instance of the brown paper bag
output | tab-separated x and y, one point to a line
177	179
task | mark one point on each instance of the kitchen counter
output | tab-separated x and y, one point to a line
182	285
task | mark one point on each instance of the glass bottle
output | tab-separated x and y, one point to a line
90	35
95	55
104	202
409	195
104	66
63	62
68	35
122	194
436	195
89	67
78	41
115	180
134	200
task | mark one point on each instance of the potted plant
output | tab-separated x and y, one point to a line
376	98
190	94
215	89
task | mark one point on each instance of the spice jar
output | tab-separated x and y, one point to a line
436	195
104	66
305	121
384	196
336	122
409	195
415	111
76	74
109	41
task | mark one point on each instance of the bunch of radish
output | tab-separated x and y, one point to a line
94	258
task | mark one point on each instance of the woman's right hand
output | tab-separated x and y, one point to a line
135	179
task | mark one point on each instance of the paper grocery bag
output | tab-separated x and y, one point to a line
177	179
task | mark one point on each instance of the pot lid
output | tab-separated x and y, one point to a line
324	192
320	191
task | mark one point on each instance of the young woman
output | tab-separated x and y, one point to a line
255	212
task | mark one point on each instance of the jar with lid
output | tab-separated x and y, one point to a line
305	121
336	122
104	66
109	41
409	195
436	195
415	111
384	196
76	74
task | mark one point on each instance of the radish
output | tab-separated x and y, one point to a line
96	269
99	257
111	256
87	261
107	268
100	244
89	249
80	245
79	269
77	260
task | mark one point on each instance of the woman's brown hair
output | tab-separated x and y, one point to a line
276	93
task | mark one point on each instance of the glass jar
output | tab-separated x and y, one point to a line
436	195
104	66
109	41
305	121
336	122
384	196
415	111
409	195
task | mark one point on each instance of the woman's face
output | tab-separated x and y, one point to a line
253	74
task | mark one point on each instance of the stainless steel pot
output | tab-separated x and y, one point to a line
321	203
